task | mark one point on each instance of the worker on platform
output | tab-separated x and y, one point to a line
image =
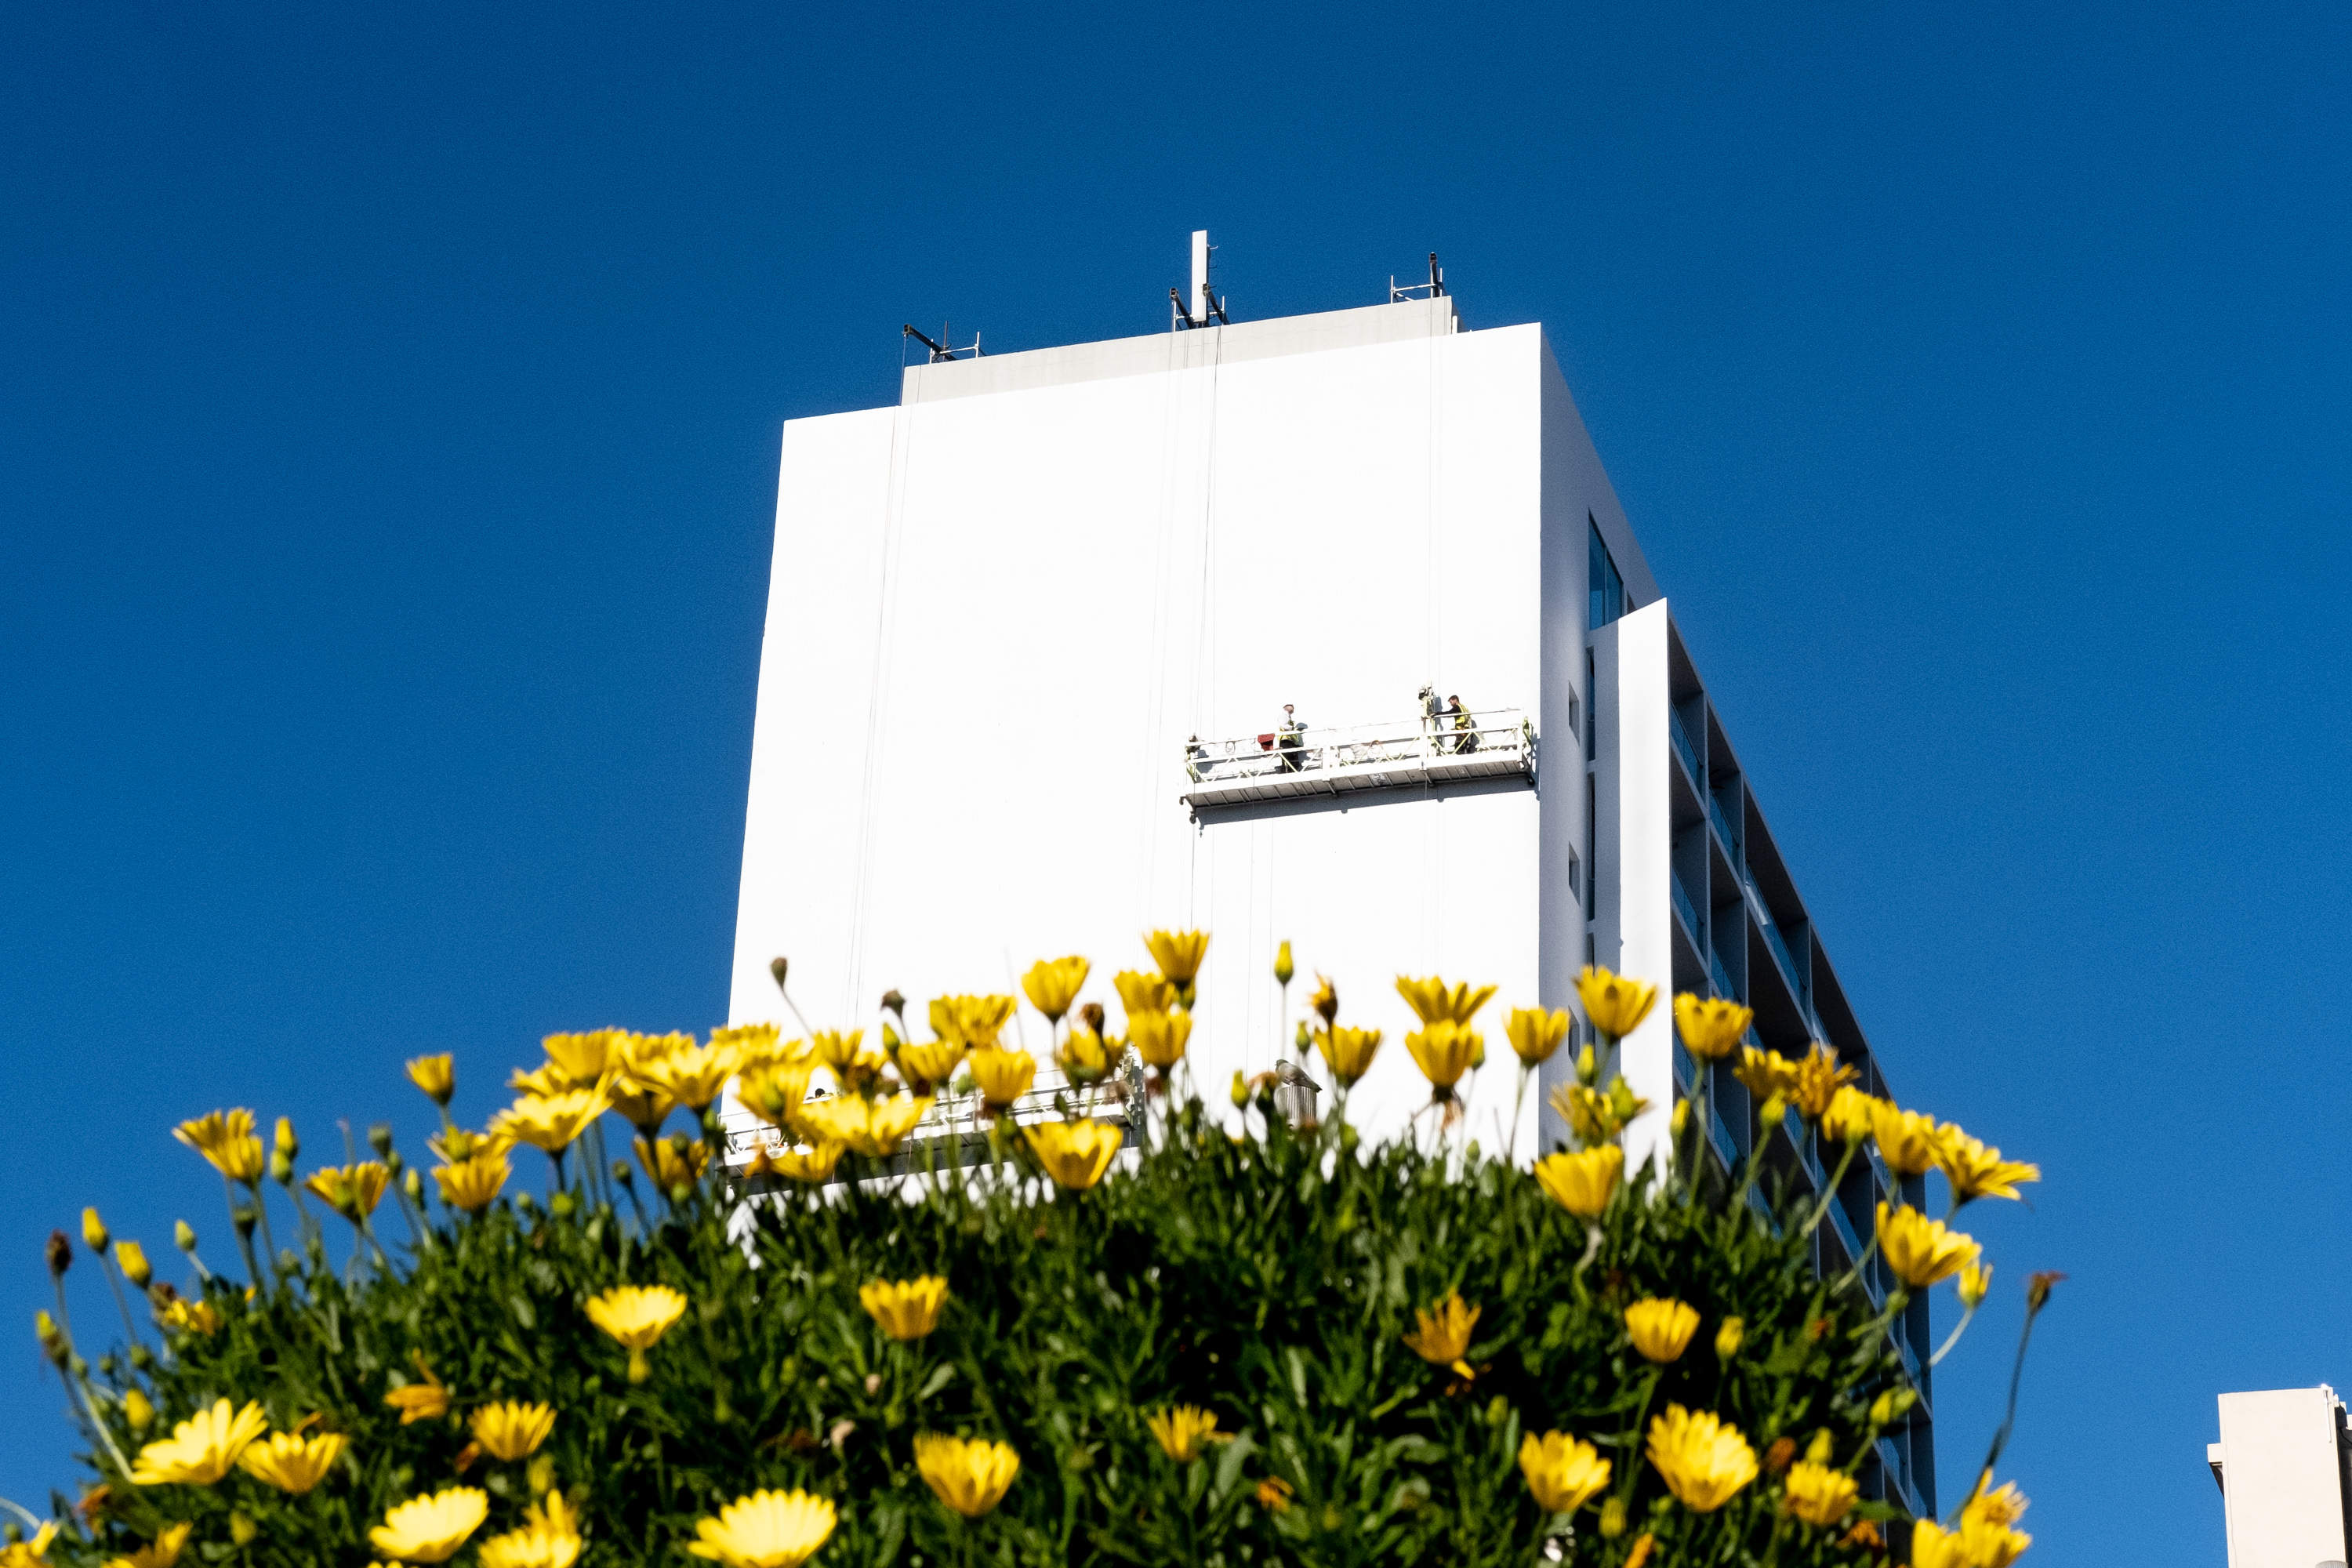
1430	709
1465	728
1290	745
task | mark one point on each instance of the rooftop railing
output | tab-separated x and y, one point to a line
1409	753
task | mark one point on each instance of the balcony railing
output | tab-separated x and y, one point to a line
954	1116
1683	747
1723	826
1895	1478
1409	753
1788	962
1684	908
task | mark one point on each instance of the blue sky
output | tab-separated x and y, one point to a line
387	461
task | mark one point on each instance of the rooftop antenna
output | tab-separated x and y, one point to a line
1432	290
1195	309
941	353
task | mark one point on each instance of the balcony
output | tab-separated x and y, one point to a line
1683	747
1402	755
1689	913
1772	938
1896	1481
1714	972
1723	827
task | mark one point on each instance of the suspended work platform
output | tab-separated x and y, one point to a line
1421	753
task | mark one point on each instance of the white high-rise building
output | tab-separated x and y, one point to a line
2284	1467
1037	638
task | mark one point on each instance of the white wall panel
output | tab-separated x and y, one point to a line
996	616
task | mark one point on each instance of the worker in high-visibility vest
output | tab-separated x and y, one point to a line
1289	745
1465	728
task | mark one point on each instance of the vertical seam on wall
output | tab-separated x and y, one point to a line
1435	509
1156	705
893	530
1204	641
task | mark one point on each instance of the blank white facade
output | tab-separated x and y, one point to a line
2284	1467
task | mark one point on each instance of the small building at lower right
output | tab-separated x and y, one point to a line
2284	1467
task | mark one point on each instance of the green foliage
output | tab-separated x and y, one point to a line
1269	1280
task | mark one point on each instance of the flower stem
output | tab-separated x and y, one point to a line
114	1279
1518	1104
1633	1451
2016	1372
1699	1113
1967	1316
1853	1275
1829	1193
261	1213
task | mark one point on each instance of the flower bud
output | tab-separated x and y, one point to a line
93	1231
138	1410
1092	1014
1588	1066
58	1252
1777	1456
183	1236
524	1203
894	1002
1681	1118
1241	1091
241	1529
1818	1451
1728	1337
413	1184
1774	1110
560	1205
394	1163
1891	1407
540	1476
624	1172
142	1357
1282	967
287	1144
1975	1280
781	966
243	1217
380	1138
54	1344
1612	1519
131	1258
281	1168
2037	1288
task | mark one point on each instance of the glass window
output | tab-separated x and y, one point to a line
1592	713
1592	841
1607	589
